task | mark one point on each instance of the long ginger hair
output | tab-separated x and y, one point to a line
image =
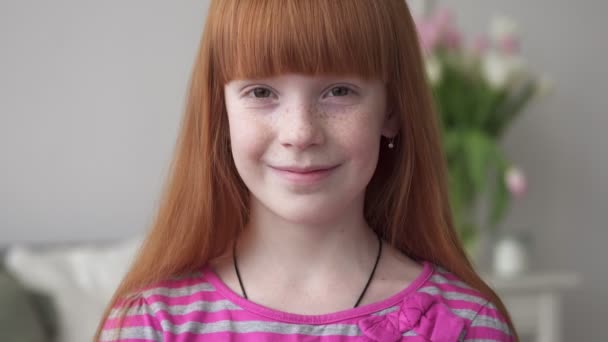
204	204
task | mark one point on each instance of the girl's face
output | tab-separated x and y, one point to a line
307	146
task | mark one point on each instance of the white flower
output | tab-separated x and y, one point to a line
501	71
433	69
502	27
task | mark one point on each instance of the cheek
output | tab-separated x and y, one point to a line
359	134
360	140
248	138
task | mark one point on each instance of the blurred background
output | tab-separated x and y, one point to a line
91	94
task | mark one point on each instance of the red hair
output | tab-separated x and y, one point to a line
205	203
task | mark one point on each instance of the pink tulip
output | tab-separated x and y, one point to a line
480	45
428	34
452	38
509	45
438	30
516	182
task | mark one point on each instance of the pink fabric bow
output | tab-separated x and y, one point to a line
422	312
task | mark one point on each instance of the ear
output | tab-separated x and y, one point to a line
391	124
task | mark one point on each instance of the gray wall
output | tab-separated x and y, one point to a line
91	93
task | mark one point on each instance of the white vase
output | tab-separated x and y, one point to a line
510	256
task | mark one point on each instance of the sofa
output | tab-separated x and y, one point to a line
58	292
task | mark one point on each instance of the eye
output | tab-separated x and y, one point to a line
339	91
260	93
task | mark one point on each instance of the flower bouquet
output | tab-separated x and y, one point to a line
479	90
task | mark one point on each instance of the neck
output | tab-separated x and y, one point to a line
300	252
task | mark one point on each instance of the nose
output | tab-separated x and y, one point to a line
300	127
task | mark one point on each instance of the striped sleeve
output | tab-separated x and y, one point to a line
140	324
489	325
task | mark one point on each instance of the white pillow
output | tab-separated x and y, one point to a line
79	279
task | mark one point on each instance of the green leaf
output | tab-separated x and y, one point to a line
511	106
501	195
477	148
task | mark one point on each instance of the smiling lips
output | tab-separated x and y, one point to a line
304	175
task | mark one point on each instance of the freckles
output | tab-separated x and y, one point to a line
353	125
322	115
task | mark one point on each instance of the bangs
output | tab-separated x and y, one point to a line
264	38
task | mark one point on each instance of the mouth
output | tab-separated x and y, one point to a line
304	175
306	169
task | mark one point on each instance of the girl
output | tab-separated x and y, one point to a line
307	199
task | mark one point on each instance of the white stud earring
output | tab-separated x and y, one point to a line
391	144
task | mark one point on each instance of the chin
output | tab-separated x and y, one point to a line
306	214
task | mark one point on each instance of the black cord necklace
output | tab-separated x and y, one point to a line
238	274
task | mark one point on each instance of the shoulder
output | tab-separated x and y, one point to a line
154	312
482	318
132	319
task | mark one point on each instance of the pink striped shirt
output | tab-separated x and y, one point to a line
436	306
